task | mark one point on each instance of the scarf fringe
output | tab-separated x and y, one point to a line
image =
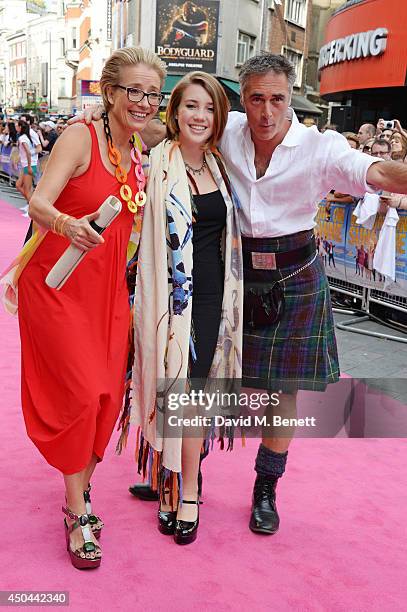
149	460
149	466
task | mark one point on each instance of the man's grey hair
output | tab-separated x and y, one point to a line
264	63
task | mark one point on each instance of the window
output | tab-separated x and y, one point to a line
74	38
246	46
62	46
296	11
296	58
62	89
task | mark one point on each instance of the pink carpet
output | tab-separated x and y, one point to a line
341	545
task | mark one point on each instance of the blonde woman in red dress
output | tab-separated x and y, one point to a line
75	341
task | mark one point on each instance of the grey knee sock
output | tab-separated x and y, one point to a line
269	463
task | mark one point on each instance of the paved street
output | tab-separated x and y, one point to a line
383	362
10	195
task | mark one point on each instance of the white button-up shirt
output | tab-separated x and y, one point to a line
302	170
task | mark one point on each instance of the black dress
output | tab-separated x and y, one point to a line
208	278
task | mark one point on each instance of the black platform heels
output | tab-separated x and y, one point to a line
186	532
166	519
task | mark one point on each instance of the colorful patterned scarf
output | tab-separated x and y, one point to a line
10	276
163	299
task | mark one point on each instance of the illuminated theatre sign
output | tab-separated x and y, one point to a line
187	34
353	47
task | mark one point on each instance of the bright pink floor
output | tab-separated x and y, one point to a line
341	545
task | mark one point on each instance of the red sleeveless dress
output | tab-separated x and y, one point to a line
75	341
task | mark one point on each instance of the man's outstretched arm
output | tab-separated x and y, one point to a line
388	175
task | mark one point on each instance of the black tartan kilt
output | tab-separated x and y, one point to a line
299	352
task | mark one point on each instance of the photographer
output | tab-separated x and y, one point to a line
385	129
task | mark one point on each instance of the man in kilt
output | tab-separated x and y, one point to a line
280	170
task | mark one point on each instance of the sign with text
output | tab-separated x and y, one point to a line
90	94
353	47
187	34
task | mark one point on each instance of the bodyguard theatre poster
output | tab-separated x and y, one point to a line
187	34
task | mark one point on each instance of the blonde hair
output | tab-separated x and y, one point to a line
129	56
221	105
351	136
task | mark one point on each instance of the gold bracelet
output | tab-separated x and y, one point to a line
61	228
57	221
60	221
53	223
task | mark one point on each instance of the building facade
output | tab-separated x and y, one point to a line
17	77
13	19
217	36
322	11
84	45
288	30
363	62
42	53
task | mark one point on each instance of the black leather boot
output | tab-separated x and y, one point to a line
264	517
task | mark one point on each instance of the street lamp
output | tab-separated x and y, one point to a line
4	88
50	55
49	71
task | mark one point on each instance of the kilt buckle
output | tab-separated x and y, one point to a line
264	261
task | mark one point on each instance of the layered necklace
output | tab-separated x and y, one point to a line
115	158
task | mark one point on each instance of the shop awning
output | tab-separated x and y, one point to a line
299	103
170	82
232	85
302	105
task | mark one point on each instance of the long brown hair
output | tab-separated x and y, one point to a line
221	105
399	154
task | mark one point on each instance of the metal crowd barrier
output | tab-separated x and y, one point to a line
10	164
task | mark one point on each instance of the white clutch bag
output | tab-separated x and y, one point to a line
71	258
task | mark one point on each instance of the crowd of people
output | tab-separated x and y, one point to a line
28	143
387	141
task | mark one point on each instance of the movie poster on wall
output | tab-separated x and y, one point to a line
187	34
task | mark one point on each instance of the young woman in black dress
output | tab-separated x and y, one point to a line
196	333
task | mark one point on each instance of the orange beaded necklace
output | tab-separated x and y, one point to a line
115	158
